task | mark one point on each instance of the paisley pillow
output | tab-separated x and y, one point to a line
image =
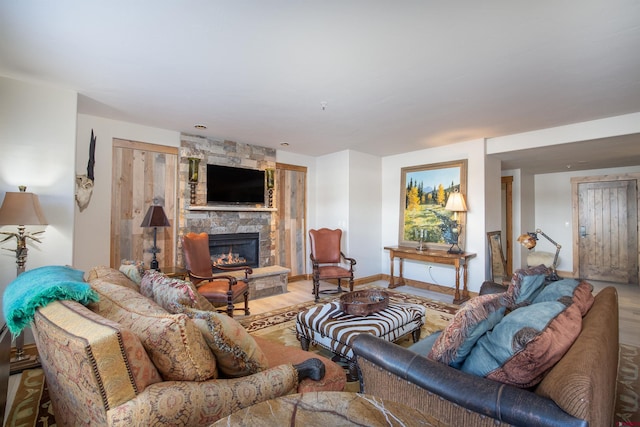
237	353
578	292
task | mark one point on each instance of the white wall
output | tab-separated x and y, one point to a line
37	143
92	240
602	128
365	202
553	209
473	151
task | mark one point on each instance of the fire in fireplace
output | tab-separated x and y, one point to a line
235	250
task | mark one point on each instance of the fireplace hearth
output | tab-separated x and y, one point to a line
235	249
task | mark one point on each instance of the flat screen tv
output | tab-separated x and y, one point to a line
230	185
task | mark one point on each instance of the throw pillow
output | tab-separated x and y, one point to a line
166	290
578	292
237	353
477	316
132	269
526	344
111	275
526	284
173	341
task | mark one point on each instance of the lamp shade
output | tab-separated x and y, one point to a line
456	203
155	217
21	209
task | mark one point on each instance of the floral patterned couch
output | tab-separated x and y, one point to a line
162	359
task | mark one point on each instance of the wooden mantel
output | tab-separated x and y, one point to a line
232	208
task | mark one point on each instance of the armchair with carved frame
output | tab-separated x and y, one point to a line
325	258
216	288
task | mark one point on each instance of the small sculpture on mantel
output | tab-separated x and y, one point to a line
84	183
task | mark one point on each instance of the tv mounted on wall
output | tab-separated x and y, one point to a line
231	185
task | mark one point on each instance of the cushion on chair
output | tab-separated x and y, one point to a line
236	351
173	342
215	291
477	316
526	344
540	257
111	275
333	272
578	292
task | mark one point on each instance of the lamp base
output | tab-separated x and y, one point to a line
154	265
455	249
25	362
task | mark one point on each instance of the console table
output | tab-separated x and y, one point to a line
436	257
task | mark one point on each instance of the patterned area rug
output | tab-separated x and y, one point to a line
31	405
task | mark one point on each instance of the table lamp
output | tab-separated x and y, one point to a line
155	218
21	209
456	204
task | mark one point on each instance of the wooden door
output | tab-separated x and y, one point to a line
291	202
608	230
143	174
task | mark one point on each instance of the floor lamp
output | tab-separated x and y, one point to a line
21	209
155	218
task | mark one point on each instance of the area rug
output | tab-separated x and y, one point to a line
31	405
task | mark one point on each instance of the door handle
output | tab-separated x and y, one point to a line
583	231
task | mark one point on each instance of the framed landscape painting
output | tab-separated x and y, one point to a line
424	193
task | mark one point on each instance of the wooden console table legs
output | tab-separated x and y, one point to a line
459	261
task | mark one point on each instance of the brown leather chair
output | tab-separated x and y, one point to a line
218	289
325	256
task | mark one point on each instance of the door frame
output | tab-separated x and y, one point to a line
575	181
508	233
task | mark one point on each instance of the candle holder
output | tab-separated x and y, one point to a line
194	165
270	175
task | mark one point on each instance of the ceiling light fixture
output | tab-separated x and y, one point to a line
284	144
200	127
323	104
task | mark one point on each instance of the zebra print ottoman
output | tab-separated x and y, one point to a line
329	327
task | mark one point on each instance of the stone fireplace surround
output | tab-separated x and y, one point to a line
268	278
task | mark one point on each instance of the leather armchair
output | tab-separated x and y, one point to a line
326	256
216	288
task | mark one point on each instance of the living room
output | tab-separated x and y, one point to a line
46	127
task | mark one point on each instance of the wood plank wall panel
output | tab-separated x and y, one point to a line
290	220
142	174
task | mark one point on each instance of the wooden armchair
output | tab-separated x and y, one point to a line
325	257
217	289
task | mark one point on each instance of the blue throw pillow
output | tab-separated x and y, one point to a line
525	344
526	284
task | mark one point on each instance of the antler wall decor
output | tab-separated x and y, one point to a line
84	183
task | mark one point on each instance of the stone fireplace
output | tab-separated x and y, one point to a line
221	222
235	249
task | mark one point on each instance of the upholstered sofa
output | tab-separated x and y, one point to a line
577	390
161	359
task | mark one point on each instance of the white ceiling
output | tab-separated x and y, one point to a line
395	76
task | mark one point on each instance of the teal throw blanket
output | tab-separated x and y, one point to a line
37	288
